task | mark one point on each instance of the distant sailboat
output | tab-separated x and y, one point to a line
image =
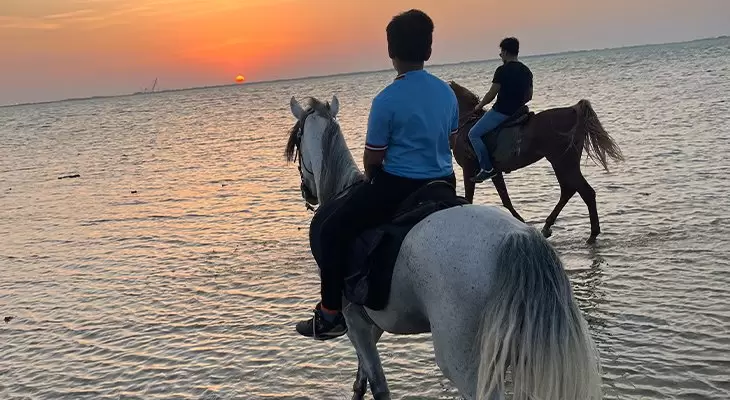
145	91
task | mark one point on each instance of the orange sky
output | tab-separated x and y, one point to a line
52	49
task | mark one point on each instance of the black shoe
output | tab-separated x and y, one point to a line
320	328
483	175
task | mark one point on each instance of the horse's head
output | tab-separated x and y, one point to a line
466	98
305	142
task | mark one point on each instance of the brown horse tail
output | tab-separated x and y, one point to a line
598	143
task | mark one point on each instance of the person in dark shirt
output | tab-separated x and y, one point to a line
512	86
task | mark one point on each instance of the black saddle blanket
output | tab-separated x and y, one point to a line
371	259
507	140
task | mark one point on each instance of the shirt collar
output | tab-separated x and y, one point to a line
401	76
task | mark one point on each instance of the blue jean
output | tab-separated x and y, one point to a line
486	123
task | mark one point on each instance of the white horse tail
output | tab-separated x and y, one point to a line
532	323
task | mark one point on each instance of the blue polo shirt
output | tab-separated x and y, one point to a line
411	119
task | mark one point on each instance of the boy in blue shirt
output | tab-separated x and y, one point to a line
406	146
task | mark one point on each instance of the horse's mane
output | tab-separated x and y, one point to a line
464	95
291	144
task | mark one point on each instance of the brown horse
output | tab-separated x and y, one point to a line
558	134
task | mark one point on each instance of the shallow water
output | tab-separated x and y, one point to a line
176	265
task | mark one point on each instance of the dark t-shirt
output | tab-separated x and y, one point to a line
515	80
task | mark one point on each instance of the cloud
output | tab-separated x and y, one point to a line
50	21
12	22
97	14
70	14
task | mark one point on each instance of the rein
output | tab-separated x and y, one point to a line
473	117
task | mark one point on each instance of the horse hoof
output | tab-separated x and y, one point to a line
547	232
382	396
358	396
591	239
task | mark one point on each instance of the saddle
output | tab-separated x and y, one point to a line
371	259
508	139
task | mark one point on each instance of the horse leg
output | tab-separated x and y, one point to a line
567	190
501	187
360	386
455	337
572	180
469	186
589	197
364	337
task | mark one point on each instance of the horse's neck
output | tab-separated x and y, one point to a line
349	173
466	108
342	172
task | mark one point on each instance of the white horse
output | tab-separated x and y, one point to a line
490	289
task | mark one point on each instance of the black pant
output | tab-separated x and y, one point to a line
369	205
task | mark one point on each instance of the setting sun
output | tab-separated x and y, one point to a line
240	79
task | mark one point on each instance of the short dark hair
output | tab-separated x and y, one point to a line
510	45
410	36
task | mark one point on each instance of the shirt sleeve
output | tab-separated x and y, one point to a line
379	125
497	75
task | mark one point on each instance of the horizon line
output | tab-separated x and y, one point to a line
338	74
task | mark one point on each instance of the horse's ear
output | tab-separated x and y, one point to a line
296	108
334	106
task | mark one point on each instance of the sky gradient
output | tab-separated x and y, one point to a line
55	49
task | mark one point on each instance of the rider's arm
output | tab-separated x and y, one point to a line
377	137
373	161
528	96
492	93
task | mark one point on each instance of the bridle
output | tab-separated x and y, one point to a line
470	118
309	197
